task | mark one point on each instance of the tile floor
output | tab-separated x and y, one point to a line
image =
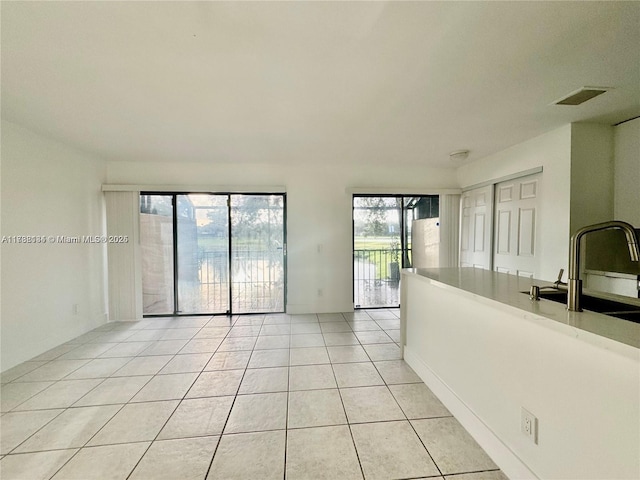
249	397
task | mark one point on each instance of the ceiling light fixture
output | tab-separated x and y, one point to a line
459	156
581	95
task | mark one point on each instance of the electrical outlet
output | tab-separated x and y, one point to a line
75	308
529	425
320	292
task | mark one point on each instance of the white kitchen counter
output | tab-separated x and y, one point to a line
507	290
488	351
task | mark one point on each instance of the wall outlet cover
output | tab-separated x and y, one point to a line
529	425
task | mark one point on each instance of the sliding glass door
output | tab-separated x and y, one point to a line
202	253
377	248
389	233
208	253
257	253
156	247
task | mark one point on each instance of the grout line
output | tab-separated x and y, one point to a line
85	444
286	418
231	408
355	448
43	426
425	447
163	425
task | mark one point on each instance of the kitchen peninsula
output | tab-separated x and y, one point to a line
489	352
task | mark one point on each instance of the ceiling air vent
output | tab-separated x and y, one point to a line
581	95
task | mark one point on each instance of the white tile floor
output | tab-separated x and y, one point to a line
263	396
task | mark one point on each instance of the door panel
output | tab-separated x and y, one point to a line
377	250
479	222
202	253
515	250
475	228
156	246
504	232
526	231
257	253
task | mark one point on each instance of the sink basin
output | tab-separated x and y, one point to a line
631	316
595	304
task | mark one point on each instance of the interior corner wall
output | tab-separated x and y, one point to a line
319	211
591	174
626	148
49	189
552	152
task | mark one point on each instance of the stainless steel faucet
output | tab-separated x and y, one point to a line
534	291
574	283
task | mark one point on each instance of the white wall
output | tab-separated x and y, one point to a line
591	174
318	213
626	141
552	152
49	189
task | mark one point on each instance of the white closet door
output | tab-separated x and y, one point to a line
516	213
475	227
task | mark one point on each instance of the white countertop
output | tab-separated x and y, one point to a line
506	289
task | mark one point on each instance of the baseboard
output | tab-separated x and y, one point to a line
512	466
109	320
297	309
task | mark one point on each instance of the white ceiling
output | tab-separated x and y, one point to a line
298	82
